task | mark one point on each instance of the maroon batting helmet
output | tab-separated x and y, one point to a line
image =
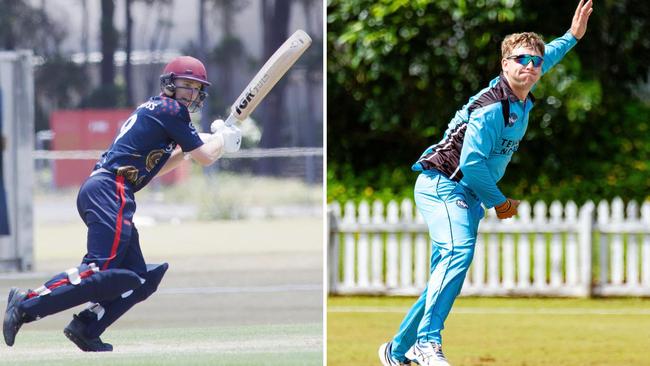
186	67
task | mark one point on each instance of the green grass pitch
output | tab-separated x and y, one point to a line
501	332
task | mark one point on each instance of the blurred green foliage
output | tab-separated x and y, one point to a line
398	70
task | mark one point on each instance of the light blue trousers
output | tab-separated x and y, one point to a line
452	215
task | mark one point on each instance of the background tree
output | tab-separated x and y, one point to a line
398	71
107	94
127	49
275	21
60	81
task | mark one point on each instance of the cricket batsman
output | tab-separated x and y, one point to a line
113	275
461	172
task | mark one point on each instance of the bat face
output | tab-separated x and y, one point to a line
272	71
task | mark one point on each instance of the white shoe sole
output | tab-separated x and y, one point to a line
381	353
410	354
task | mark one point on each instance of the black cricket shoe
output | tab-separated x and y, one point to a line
14	318
75	332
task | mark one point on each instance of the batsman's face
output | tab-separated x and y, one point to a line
522	76
187	91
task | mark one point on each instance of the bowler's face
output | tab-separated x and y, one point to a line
522	76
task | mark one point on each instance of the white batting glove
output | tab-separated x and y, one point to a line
231	138
217	125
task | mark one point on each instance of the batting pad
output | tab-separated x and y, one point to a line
77	286
113	310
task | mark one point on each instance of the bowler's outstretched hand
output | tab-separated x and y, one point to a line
581	17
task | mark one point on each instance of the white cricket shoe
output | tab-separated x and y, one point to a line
386	357
427	354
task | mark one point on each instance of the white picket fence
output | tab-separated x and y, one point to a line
560	250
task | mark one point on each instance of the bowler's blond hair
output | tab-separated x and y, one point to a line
526	39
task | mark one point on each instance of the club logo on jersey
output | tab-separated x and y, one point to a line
154	158
462	204
129	172
512	119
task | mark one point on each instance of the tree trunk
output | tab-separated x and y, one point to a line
201	54
275	18
84	32
127	62
109	44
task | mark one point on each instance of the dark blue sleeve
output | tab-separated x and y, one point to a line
176	121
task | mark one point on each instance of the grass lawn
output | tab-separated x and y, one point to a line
503	332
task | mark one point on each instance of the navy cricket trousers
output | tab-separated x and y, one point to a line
106	205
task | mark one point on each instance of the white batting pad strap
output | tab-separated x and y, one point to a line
127	294
97	309
42	291
73	276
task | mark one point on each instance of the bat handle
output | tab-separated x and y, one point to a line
230	120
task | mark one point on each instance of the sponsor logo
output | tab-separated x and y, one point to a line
512	119
252	93
244	102
462	204
170	147
508	147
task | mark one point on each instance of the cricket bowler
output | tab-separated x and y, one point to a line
461	172
113	275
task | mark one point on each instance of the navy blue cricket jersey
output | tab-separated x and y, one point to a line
147	139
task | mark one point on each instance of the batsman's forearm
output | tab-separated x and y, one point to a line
210	151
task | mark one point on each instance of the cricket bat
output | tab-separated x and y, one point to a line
272	71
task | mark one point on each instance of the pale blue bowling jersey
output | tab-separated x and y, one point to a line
481	138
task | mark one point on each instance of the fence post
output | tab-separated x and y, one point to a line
632	268
617	242
556	246
572	266
377	256
523	252
349	218
406	245
585	229
508	256
603	220
392	253
333	253
363	246
645	254
539	260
